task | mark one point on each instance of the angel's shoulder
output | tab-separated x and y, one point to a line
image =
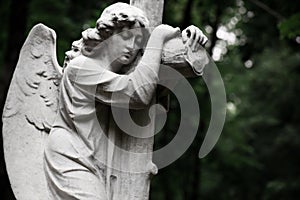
74	65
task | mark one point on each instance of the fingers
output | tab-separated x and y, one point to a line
194	36
197	46
192	31
184	36
204	40
197	40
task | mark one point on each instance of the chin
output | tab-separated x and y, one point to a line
125	61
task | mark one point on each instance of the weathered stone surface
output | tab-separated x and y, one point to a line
29	112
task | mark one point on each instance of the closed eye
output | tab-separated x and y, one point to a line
139	40
126	35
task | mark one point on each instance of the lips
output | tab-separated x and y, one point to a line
128	54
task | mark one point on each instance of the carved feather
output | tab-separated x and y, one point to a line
34	87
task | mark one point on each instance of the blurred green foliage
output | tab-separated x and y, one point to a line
257	156
290	27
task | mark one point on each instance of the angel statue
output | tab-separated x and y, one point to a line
57	121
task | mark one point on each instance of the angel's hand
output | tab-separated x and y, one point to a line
166	32
194	37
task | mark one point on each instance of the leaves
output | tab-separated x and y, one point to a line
290	28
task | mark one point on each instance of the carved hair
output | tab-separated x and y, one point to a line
113	18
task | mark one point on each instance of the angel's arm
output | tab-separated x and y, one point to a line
135	89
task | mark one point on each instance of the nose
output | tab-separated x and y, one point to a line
131	44
68	54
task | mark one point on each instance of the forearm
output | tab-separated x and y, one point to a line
153	52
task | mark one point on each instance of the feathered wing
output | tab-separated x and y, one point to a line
30	109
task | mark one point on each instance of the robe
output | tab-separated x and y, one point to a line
84	157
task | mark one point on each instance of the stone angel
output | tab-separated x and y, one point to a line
57	123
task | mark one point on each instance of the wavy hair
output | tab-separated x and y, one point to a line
114	18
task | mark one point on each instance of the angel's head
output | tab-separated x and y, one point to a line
128	26
119	16
73	52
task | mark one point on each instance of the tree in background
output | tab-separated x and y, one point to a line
256	47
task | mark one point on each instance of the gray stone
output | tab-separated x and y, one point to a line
87	155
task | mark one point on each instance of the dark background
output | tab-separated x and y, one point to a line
257	156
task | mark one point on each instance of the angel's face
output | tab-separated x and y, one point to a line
124	45
74	52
